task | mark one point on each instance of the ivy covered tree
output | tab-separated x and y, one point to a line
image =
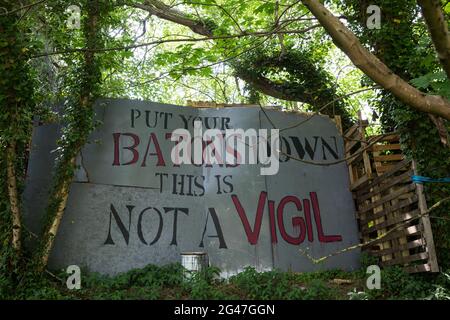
17	107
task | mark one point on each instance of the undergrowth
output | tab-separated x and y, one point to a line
172	282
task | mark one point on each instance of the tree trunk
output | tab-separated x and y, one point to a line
373	67
61	192
13	196
438	28
62	197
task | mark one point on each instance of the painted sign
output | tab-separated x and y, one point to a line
130	205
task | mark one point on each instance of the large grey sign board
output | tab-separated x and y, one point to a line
129	205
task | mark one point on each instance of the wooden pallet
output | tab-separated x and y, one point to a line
390	207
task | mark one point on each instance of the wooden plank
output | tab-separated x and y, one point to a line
395	216
407	195
386	244
356	157
365	154
407	246
351	131
418	268
383	177
387	198
366	158
201	104
391	137
383	147
428	233
381	187
359	181
405	260
338	121
361	134
349	146
383	168
351	173
391	221
389	157
401	204
410	231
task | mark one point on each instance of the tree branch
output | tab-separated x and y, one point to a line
21	8
187	39
264	85
373	67
163	11
438	29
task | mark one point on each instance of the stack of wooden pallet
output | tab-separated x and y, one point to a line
391	209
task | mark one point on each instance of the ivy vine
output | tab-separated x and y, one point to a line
295	75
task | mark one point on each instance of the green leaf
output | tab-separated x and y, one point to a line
425	81
268	8
442	88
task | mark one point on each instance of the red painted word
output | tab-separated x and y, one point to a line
303	224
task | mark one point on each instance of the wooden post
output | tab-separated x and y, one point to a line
362	136
427	231
338	121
